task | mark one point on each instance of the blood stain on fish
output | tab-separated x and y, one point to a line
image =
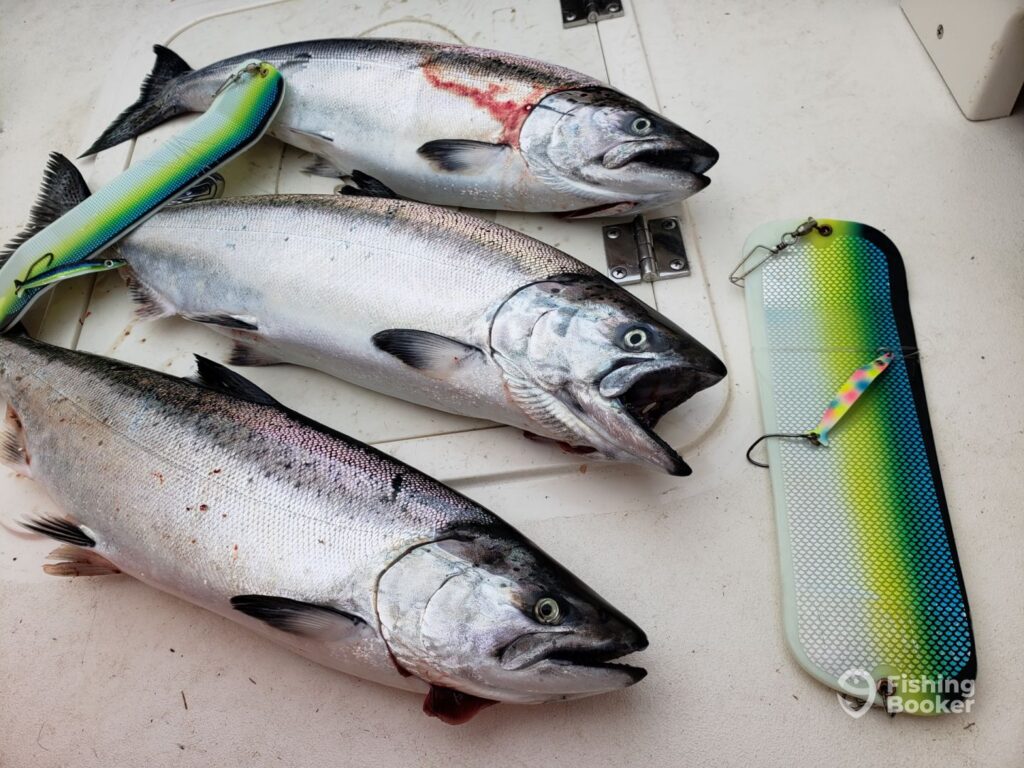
509	112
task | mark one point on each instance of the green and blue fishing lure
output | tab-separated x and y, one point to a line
872	587
54	249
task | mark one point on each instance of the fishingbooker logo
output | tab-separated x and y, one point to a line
900	693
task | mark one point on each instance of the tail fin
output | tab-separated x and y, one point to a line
63	188
156	103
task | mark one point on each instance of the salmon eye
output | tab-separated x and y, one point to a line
641	126
547	611
635	338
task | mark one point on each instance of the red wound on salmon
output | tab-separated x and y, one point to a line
453	707
509	112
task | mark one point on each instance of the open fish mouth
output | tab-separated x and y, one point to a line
566	649
666	155
633	396
598	660
657	391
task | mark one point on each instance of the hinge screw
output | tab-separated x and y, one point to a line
675	265
570	17
613	8
668	224
613	233
618	273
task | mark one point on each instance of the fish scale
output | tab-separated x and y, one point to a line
212	491
257	523
479	128
422	303
413	301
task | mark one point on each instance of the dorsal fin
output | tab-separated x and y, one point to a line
222	379
63	188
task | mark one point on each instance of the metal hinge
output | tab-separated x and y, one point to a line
645	251
576	13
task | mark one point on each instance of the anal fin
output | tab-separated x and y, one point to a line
246	354
76	561
367	186
13	448
321	166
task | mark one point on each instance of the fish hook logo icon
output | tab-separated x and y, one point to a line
860	684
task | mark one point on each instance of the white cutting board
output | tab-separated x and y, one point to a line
99	318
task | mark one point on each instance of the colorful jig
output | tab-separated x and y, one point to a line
848	394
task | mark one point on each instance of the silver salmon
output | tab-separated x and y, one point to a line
212	491
422	303
451	125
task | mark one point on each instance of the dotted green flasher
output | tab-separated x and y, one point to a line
68	247
871	580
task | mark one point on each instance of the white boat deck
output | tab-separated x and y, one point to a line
824	109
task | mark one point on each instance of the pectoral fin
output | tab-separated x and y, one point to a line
312	135
323	622
462	155
434	355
